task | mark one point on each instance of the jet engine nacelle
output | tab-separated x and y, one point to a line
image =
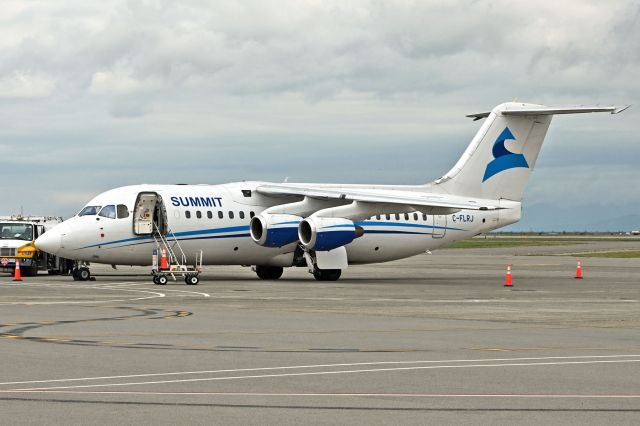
327	233
274	230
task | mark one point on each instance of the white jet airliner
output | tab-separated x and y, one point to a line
323	227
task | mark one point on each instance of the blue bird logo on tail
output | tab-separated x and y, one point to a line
503	158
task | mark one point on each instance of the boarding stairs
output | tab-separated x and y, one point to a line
177	259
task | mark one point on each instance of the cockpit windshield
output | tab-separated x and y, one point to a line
108	211
16	231
89	211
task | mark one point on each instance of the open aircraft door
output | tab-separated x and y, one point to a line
149	214
439	225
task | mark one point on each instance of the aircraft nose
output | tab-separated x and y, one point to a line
51	241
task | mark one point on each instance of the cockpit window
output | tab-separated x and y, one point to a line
123	211
89	211
108	211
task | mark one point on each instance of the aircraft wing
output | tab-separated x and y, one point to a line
381	196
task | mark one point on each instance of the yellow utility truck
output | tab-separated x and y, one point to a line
17	234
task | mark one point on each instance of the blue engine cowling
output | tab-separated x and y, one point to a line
274	230
327	233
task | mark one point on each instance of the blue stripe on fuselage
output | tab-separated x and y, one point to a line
364	224
404	224
177	234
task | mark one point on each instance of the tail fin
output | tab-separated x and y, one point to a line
501	156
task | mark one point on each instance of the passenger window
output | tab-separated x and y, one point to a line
415	216
378	217
397	216
424	217
123	211
89	211
230	214
198	214
108	211
187	214
388	216
251	214
241	215
220	214
209	215
406	216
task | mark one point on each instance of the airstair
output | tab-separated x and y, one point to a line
176	260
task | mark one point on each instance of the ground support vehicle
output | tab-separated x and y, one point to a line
17	236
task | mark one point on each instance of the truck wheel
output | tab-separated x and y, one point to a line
192	280
162	280
30	271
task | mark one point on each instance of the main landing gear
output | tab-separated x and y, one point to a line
269	272
327	274
309	258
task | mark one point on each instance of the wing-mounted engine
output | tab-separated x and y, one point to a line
327	233
274	230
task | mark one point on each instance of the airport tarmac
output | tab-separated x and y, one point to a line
436	339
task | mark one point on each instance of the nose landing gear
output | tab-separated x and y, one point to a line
81	273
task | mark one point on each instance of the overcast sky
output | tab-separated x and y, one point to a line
98	94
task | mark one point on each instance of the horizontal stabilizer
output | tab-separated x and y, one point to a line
528	109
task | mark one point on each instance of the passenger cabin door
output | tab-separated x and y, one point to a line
149	211
439	225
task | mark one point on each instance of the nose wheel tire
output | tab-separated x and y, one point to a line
82	274
269	272
327	274
192	279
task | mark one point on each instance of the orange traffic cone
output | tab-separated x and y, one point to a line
163	261
17	276
508	281
578	271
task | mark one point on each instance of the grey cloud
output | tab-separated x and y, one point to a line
264	90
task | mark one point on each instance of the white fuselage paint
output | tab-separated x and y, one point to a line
226	241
